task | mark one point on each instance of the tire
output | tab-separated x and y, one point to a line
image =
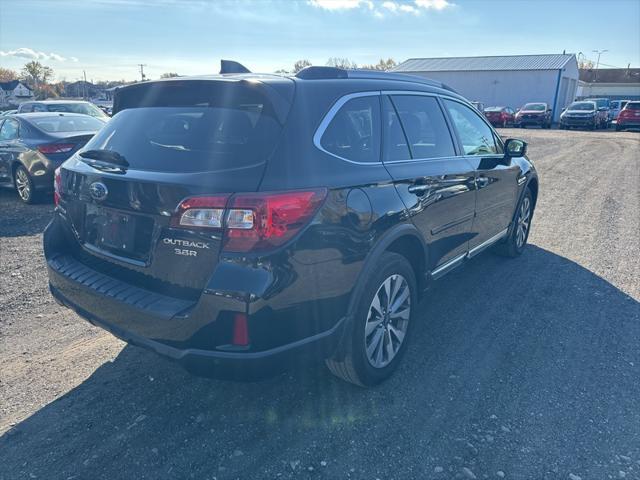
367	359
24	185
515	243
618	128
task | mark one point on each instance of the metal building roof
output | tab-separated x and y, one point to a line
467	64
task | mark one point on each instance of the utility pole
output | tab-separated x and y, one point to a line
599	52
84	86
142	65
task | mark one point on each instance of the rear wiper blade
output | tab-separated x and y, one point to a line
105	156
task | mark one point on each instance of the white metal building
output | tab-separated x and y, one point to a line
504	81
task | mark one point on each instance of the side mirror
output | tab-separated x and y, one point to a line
515	147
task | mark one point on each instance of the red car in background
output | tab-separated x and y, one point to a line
500	116
629	116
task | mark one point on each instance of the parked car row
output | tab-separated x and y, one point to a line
531	114
593	113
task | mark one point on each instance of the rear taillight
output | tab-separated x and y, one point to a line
251	221
57	186
50	148
201	212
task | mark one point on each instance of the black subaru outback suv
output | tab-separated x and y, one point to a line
233	221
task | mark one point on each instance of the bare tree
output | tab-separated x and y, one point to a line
169	75
6	75
383	65
300	64
339	62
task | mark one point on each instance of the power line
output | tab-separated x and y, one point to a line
142	65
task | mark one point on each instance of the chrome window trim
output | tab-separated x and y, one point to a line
326	120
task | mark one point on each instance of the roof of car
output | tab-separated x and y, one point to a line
323	75
55	101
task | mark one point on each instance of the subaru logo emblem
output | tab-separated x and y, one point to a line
98	191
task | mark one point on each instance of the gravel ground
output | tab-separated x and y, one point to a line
519	369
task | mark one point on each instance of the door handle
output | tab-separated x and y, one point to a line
419	189
482	182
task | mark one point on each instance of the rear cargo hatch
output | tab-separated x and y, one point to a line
190	138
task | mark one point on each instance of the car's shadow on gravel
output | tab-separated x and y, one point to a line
528	366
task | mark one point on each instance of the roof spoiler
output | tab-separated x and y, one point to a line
229	66
319	73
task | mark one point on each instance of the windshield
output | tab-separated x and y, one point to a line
586	106
230	131
84	108
536	107
61	123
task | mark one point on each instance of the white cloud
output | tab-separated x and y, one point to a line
409	9
31	54
391	6
433	4
414	7
334	5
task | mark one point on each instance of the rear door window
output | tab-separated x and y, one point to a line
354	132
424	126
205	126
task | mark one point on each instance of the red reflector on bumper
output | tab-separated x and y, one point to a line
240	330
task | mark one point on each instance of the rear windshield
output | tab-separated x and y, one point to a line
536	107
227	127
494	109
632	106
60	123
587	106
84	108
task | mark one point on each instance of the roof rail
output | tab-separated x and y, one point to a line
320	73
230	66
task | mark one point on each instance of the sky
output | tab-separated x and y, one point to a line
109	38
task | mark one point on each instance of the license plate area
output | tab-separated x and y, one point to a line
117	232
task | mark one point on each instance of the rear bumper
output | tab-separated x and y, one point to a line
194	332
220	364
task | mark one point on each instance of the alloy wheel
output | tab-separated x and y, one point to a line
387	321
523	222
23	185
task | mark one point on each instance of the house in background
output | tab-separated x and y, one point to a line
612	83
509	81
13	93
